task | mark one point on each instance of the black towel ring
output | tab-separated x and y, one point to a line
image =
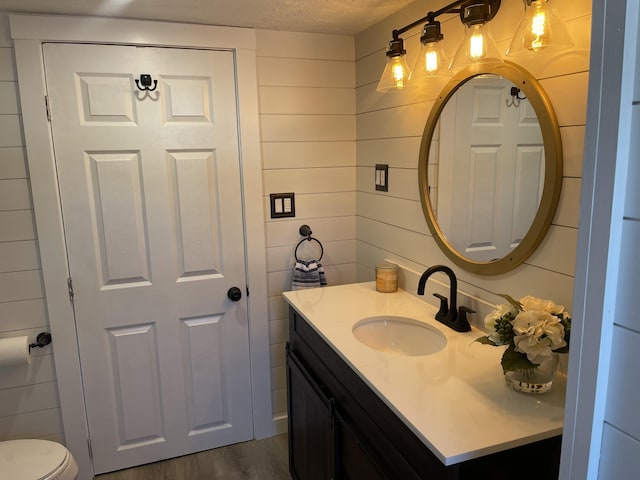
305	231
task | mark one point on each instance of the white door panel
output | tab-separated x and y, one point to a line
150	189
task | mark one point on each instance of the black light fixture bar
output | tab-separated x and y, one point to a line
540	29
454	7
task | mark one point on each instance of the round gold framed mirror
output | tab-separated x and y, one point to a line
490	167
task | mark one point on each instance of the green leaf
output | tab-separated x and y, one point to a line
512	360
486	341
516	304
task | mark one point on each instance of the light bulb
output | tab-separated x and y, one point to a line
431	62
478	46
399	73
538	36
539	30
395	75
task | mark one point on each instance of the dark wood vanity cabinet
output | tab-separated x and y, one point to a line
340	429
313	428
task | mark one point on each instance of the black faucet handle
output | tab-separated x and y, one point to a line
444	305
462	317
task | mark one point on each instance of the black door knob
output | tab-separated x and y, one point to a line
234	293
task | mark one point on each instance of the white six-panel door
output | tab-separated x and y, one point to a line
492	156
150	190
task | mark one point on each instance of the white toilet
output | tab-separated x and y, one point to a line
36	460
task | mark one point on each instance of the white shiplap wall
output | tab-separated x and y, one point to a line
620	454
29	405
307	115
389	129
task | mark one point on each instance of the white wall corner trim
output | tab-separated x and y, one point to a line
28	33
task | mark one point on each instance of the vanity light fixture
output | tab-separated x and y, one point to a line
540	29
478	45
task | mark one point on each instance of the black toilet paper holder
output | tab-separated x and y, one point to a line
42	340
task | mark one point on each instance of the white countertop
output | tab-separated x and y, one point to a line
456	401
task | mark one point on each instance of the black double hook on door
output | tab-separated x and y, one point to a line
145	81
515	97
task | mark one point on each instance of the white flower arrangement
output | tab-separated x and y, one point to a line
532	328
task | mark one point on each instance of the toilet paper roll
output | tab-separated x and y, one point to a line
14	351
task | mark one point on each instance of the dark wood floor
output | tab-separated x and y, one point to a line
255	460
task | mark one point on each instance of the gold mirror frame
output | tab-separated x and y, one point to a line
552	174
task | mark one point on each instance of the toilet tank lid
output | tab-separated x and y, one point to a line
32	459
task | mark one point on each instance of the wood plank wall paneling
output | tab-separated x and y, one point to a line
308	125
17	225
29	406
9	98
14	194
632	200
391	225
623	393
619	457
287	155
13	163
621	437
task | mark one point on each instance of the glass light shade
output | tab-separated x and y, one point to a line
478	46
540	30
395	75
432	61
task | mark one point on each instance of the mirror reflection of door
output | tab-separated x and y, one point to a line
490	169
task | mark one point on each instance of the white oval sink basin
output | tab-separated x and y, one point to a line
399	335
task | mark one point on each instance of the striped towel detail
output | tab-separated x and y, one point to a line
308	274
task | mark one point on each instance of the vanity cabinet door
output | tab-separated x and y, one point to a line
353	460
322	443
311	429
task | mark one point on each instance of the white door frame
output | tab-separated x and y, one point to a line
28	33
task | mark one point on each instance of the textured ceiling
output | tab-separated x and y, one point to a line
346	17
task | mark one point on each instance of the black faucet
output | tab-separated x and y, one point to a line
452	318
